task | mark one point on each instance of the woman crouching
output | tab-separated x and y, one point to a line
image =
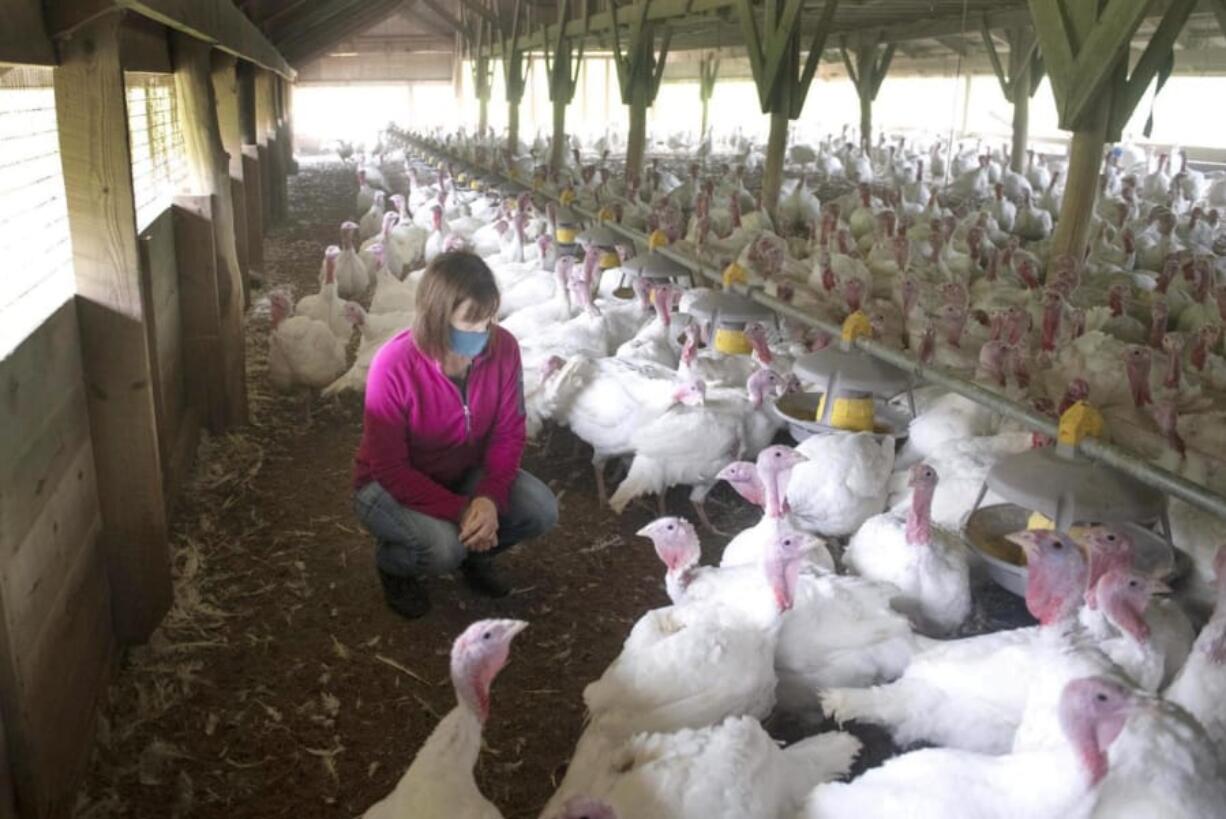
437	472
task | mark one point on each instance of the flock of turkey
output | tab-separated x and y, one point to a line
850	597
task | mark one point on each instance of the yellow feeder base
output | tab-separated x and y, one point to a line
850	414
658	238
732	342
474	185
735	274
609	261
565	236
1038	520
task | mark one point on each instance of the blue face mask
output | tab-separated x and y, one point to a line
469	343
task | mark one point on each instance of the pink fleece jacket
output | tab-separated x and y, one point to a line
420	436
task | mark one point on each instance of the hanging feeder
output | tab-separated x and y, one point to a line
856	390
1054	487
724	315
603	239
653	268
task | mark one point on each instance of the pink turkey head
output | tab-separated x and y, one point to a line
1093	712
1173	344
552	366
743	477
1207	338
476	658
784	559
1117	296
692	394
1166	417
1077	390
1138	361
675	541
1107	549
922	479
775	464
1124	595
1055	575
763	382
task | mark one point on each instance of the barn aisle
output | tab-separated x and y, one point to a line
280	685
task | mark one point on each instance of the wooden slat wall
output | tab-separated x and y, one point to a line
56	640
178	421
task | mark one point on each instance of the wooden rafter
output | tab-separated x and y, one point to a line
221	24
325	37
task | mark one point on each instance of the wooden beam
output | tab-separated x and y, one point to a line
209	173
445	15
280	14
204	348
216	22
23	37
322	39
143	46
93	135
311	18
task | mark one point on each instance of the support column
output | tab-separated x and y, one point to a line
636	139
1086	54
514	70
225	92
563	71
782	81
1021	124
772	172
253	173
639	71
867	71
93	135
708	73
1018	82
209	174
1081	189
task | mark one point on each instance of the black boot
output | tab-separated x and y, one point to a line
405	594
481	576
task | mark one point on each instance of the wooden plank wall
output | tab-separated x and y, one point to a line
57	642
178	420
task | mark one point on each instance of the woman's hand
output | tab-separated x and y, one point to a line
479	525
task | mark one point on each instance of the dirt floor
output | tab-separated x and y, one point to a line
280	684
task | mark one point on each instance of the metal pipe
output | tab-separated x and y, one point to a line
1125	461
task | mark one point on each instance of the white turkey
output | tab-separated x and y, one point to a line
1048	783
928	564
439	784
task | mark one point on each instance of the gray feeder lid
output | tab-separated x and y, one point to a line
730	308
566	216
599	235
656	266
851	370
1069	489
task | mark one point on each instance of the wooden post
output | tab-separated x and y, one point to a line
209	171
708	73
772	172
225	92
93	136
479	38
266	139
203	320
1018	82
1086	52
782	81
253	186
636	138
867	71
563	71
514	69
245	87
639	72
1021	124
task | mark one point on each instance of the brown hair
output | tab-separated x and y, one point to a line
450	280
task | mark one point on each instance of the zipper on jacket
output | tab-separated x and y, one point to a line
463	393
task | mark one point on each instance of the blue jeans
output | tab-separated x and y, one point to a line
412	543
